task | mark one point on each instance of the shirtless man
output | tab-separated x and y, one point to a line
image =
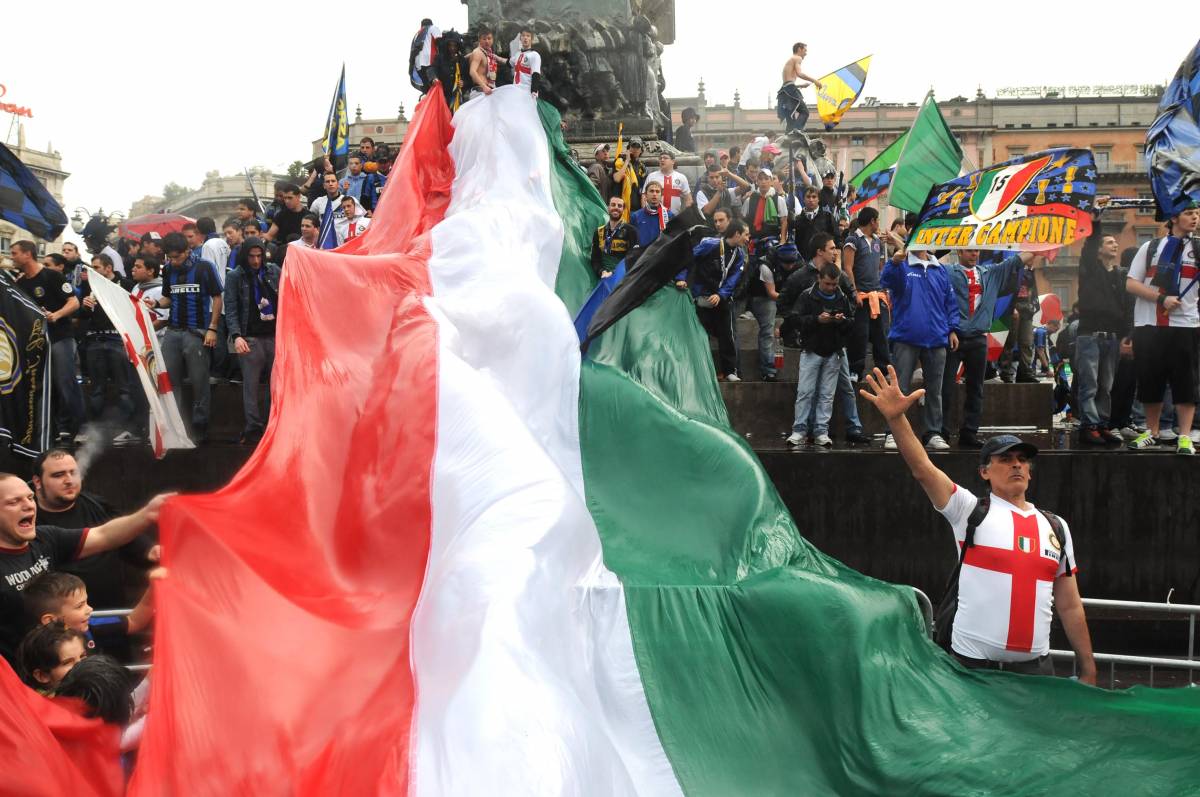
482	64
791	108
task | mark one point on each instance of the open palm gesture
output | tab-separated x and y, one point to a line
886	395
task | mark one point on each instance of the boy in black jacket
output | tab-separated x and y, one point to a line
825	315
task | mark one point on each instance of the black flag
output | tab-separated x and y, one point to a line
24	372
670	254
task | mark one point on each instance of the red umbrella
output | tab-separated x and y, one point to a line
161	223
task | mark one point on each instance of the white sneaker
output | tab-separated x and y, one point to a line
1130	432
81	438
1167	435
748	316
824	440
1194	435
936	443
795	439
889	442
733	378
125	439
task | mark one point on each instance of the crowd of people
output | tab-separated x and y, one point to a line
212	291
847	293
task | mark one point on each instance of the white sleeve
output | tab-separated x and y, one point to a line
685	187
1062	565
766	275
958	509
1137	269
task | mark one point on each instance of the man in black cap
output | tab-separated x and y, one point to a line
1016	563
630	167
599	173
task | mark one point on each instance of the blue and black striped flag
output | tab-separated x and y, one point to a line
25	202
337	125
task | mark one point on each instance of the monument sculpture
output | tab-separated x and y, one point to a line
601	59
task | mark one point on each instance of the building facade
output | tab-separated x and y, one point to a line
217	196
46	165
1109	120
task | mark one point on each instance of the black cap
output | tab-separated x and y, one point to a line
1005	442
636	141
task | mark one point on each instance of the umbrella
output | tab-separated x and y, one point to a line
161	223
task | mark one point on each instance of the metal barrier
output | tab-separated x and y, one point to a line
1191	664
122	613
926	610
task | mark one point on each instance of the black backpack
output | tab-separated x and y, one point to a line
943	618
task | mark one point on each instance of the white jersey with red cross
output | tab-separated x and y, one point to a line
525	65
1006	588
675	188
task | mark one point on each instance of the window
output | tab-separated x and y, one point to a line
1016	152
856	165
858	141
5	245
1146	211
41	249
1145	234
1102	157
1141	164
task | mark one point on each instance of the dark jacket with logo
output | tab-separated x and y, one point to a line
609	250
1101	292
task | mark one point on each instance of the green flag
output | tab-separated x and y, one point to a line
884	160
930	156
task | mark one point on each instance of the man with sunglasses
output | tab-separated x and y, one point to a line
1016	563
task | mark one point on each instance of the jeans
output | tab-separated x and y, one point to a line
972	353
763	308
847	396
869	330
184	350
814	391
933	363
1023	334
1095	366
69	413
107	363
256	370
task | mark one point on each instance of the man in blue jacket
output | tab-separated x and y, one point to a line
977	287
716	272
924	317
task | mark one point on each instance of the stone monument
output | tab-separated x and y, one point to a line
601	59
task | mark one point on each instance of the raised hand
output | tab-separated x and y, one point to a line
886	395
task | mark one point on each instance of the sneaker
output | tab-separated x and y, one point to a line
80	438
1143	440
1167	435
1112	436
1195	435
857	438
937	443
1092	437
1184	446
747	316
1027	379
125	439
889	442
825	441
733	378
1130	432
795	439
770	378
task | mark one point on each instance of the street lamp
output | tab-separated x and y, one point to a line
80	219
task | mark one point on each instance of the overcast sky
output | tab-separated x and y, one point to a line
136	94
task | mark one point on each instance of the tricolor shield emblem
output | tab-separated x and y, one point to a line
1025	544
999	188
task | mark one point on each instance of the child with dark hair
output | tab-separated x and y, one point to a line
62	597
47	654
103	685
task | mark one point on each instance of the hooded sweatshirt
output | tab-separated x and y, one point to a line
347	228
251	297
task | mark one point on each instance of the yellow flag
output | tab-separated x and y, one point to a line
630	178
839	90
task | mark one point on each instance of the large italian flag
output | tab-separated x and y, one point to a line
464	562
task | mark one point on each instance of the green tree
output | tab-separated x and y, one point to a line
297	169
172	191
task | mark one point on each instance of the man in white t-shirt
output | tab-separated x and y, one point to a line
1165	318
527	63
676	193
1017	571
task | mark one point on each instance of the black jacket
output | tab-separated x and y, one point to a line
1101	292
823	339
805	228
237	300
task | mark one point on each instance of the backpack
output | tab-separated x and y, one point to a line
943	618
